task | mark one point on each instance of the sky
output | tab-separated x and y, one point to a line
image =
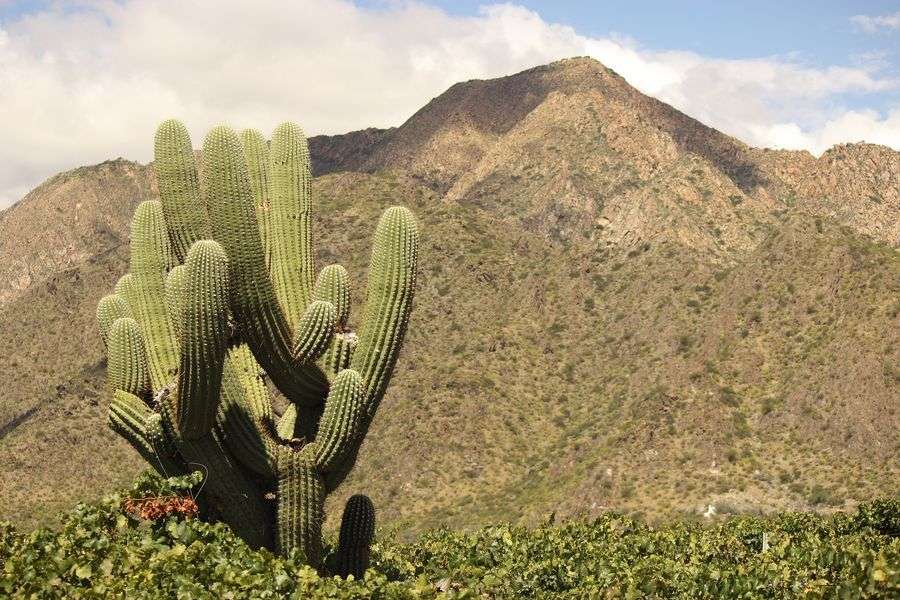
82	81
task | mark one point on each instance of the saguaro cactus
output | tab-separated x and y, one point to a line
223	294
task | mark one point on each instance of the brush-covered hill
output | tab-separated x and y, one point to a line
619	307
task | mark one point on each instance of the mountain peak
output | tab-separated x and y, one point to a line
574	133
455	130
459	125
581	65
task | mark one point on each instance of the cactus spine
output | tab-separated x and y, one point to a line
223	293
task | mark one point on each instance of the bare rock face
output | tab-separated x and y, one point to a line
346	152
72	217
859	185
613	297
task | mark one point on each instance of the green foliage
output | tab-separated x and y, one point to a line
102	552
806	557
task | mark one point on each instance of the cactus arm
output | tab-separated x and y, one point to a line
110	308
150	247
144	291
287	424
254	303
165	406
166	460
355	538
204	334
245	413
127	360
132	419
301	503
314	331
392	282
313	335
339	353
127	416
179	190
124	289
291	259
246	431
339	426
333	285
256	154
240	358
240	433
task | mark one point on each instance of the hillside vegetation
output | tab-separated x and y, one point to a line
619	308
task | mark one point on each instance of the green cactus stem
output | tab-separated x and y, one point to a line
256	308
355	539
145	291
127	364
221	303
256	154
291	262
301	503
127	416
174	285
110	308
287	424
340	424
179	189
204	325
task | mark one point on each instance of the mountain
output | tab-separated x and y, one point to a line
619	307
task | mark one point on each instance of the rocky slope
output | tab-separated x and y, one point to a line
70	218
619	308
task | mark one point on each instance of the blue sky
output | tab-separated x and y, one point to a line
819	33
86	80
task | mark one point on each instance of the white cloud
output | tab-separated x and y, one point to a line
873	24
82	82
868	125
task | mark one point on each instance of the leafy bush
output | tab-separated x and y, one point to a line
102	552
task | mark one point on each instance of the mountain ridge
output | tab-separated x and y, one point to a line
785	172
618	307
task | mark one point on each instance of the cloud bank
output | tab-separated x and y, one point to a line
874	24
84	81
